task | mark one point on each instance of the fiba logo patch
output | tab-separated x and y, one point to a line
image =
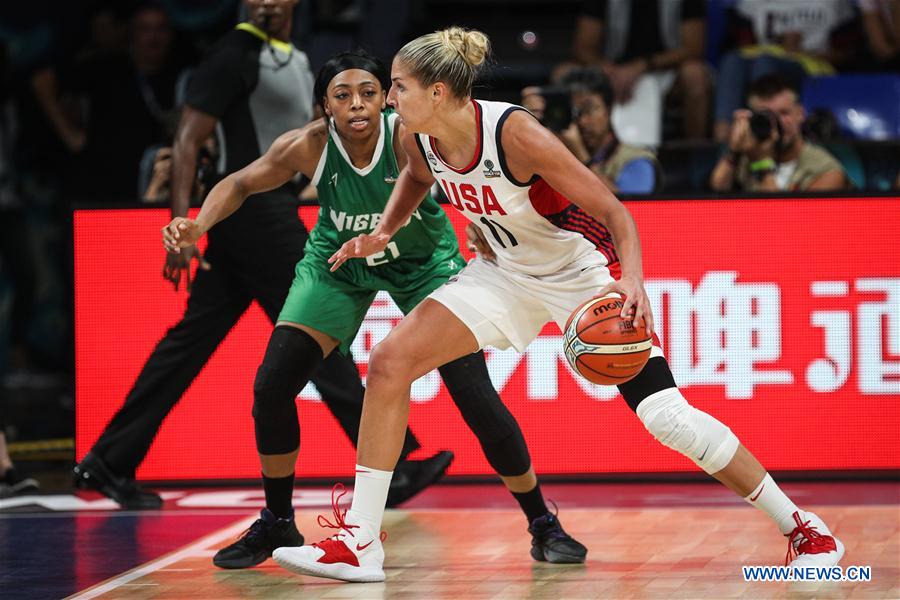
432	158
489	170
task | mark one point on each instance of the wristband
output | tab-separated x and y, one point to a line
762	165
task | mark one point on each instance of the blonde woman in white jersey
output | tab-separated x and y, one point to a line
559	237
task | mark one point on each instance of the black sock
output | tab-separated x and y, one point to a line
279	492
532	503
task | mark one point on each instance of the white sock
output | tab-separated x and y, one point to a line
769	498
369	496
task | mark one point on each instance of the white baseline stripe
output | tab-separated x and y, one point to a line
163	562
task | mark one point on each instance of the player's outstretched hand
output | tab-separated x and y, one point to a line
359	247
476	242
181	233
176	264
636	306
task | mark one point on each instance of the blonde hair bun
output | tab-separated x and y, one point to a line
471	44
453	55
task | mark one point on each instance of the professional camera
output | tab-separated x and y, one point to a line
557	108
762	123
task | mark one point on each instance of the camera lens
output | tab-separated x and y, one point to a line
761	125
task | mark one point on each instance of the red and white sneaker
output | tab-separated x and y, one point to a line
347	555
811	544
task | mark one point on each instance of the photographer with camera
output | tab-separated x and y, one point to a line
767	150
578	112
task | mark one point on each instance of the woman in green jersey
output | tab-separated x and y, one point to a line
353	156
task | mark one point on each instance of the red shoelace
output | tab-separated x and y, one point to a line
811	541
339	523
339	520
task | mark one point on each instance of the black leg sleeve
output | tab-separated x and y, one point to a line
482	409
654	377
292	356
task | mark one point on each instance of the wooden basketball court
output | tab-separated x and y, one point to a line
658	551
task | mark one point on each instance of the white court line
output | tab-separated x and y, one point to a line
163	562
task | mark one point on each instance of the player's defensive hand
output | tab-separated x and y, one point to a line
181	262
359	247
181	233
476	242
637	306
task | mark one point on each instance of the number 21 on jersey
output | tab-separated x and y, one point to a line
391	252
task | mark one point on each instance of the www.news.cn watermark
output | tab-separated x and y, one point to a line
781	573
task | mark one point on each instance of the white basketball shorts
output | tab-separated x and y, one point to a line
503	308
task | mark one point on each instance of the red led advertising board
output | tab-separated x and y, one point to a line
779	317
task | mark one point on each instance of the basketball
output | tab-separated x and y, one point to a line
603	347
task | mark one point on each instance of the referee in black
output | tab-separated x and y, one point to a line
254	85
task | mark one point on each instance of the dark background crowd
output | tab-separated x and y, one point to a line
666	97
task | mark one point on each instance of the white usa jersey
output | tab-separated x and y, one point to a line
532	228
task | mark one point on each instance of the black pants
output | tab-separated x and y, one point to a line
248	263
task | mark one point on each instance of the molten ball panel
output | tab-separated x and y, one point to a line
601	346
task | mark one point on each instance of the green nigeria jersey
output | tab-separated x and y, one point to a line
351	201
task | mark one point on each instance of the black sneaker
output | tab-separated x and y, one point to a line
413	476
550	543
259	541
13	483
92	473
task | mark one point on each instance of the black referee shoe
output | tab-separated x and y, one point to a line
92	473
550	543
413	476
259	541
13	483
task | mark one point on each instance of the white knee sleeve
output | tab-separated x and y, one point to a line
679	426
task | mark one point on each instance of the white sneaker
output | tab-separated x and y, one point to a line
811	544
348	555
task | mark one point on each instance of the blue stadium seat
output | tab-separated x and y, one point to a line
867	107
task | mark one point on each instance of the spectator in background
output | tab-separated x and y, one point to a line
781	161
130	99
107	24
326	27
590	136
881	24
155	176
156	171
16	258
644	48
797	38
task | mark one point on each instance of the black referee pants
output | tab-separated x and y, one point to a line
244	268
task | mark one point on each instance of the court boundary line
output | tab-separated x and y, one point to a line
163	561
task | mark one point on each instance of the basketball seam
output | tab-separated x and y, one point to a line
649	339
